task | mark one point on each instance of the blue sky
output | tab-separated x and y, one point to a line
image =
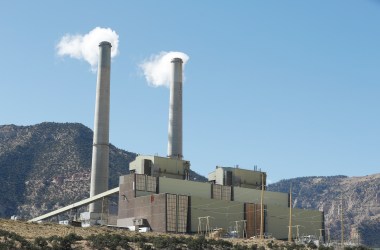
290	86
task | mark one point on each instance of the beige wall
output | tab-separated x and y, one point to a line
240	177
162	166
191	188
248	177
254	196
136	165
277	221
224	213
169	166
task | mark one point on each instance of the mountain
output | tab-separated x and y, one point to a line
360	197
47	166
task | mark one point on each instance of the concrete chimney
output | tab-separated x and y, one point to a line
175	111
100	148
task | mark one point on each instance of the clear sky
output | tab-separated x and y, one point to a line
290	86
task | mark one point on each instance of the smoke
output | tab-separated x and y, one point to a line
86	47
157	68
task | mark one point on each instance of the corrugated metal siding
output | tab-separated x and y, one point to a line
216	191
140	182
226	193
171	212
183	204
220	192
176	213
253	217
151	184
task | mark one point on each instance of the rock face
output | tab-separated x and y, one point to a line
47	166
358	196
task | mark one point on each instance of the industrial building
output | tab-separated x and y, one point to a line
165	201
158	194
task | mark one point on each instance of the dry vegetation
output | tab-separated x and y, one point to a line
31	231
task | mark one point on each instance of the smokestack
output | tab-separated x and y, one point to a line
100	148
175	111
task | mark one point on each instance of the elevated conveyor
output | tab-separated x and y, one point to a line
76	205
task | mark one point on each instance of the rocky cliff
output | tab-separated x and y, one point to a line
47	166
358	198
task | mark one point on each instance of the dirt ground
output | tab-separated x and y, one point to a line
30	231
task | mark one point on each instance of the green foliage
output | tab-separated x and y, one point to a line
240	247
311	245
109	241
253	247
199	242
41	243
61	243
322	247
270	245
12	240
292	246
357	248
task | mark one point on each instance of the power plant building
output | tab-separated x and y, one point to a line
230	200
157	194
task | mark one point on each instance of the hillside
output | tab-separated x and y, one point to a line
361	203
47	166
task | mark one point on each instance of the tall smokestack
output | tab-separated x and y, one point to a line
100	148
175	111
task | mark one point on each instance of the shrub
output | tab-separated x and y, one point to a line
240	247
13	241
311	245
253	247
199	242
41	243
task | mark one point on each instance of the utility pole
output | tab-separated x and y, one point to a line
199	225
341	222
290	233
262	207
320	234
328	236
298	232
237	228
244	228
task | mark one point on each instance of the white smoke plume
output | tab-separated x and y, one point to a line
157	67
86	47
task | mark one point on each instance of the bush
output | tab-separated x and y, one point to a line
14	241
311	245
109	241
253	247
41	243
321	247
199	242
160	242
270	245
240	247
